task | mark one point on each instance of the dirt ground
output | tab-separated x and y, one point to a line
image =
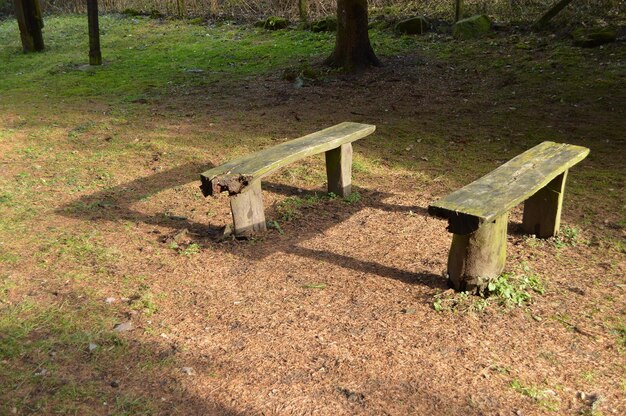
333	312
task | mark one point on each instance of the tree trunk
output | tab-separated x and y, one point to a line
457	10
353	51
303	9
95	56
30	22
553	11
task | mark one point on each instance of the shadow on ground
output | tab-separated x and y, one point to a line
116	205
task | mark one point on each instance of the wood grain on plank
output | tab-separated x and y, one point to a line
235	175
497	192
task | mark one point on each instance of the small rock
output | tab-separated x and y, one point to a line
409	311
298	83
189	371
115	384
41	372
328	24
123	327
92	347
110	300
413	26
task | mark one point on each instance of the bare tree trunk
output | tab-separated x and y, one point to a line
353	51
95	56
30	22
553	11
457	10
303	8
182	8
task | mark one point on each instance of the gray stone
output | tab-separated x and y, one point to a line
123	327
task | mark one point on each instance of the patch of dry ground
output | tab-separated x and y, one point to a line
334	315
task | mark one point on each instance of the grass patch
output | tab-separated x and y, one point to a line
144	57
568	237
291	208
544	397
314	286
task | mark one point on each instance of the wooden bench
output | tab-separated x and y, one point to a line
241	177
477	214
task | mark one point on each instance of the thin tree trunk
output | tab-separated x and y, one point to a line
553	11
457	10
182	8
353	50
303	9
30	22
95	56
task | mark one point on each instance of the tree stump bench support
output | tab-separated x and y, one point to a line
241	177
477	214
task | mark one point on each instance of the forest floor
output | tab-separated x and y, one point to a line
341	308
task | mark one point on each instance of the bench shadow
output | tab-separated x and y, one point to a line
115	204
422	278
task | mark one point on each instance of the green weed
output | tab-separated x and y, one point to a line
513	290
290	208
568	237
275	225
507	290
190	250
145	302
354	197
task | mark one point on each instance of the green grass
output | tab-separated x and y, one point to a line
143	57
541	396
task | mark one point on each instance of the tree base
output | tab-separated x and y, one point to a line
353	63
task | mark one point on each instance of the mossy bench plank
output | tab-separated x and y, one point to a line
241	177
478	213
497	192
237	174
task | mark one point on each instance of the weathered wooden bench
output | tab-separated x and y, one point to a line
477	214
241	177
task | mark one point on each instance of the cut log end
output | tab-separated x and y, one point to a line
233	184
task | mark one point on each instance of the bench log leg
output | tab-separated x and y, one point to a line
247	210
479	257
339	170
542	211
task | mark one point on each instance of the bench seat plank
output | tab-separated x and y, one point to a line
497	192
237	174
